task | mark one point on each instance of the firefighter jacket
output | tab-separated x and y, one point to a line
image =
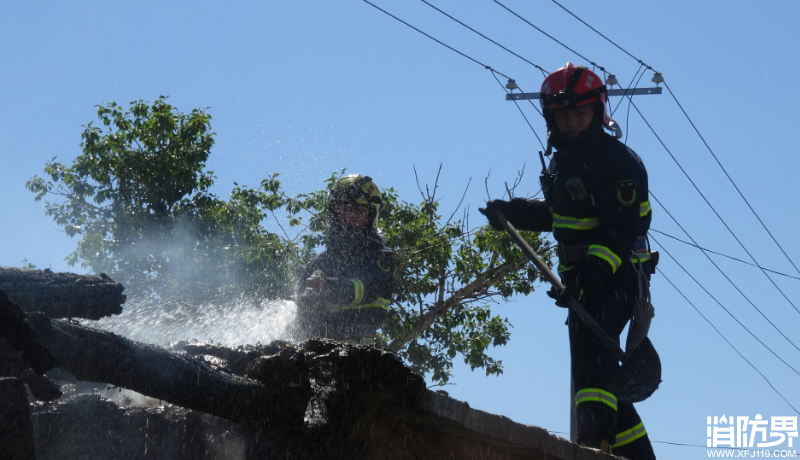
598	207
359	271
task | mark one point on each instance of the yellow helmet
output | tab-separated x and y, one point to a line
359	190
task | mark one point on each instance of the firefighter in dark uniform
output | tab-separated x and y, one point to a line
346	289
598	209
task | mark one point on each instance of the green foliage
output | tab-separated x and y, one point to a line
28	265
449	276
138	197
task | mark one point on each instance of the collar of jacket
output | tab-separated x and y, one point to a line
578	147
341	238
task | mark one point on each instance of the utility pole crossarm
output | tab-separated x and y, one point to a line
611	92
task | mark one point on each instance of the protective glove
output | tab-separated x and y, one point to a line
571	279
490	211
319	282
523	214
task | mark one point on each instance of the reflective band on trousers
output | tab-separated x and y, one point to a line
605	254
596	394
359	287
644	208
574	223
380	302
640	257
628	436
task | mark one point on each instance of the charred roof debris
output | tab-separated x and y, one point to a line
106	396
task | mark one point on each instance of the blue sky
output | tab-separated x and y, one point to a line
306	88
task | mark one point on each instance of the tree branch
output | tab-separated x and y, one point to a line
460	201
478	285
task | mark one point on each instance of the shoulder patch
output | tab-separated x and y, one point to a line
626	192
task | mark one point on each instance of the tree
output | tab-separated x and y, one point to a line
138	197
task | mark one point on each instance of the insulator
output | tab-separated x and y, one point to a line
611	80
657	78
512	85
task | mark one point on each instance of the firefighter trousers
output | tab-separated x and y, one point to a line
600	416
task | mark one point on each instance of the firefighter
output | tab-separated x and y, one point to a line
597	207
346	290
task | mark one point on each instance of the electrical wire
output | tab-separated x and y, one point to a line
723	307
495	73
520	110
710	206
724	255
487	67
600	34
666	442
730	179
544	72
726	277
640	69
708	147
551	37
661	271
628	113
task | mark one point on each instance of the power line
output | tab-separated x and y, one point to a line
544	72
730	179
494	72
600	34
724	255
648	67
721	306
708	147
724	338
628	113
640	69
487	67
670	443
643	64
520	110
710	206
725	276
550	36
679	165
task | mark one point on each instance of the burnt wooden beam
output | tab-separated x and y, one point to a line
16	336
100	356
63	295
16	429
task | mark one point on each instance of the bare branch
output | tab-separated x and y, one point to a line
280	226
476	287
436	184
416	177
518	180
486	185
460	201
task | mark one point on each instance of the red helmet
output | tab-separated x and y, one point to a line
572	86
